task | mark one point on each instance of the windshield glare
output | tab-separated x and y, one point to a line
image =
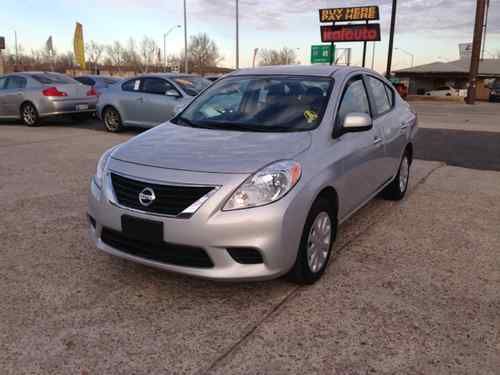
192	85
260	104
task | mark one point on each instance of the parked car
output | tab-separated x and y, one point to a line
443	91
98	82
252	178
147	100
495	91
32	96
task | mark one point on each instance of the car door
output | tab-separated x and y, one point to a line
131	102
13	95
393	121
3	82
161	99
361	153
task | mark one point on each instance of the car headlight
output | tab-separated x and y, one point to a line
101	167
266	186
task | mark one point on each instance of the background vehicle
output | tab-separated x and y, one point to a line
147	100
250	180
495	91
31	96
443	91
98	82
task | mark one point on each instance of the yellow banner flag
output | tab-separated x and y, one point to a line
78	46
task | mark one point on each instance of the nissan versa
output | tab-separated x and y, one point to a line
252	178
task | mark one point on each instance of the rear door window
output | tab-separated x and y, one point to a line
381	102
86	81
15	82
132	85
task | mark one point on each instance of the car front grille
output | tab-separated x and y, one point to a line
170	199
163	252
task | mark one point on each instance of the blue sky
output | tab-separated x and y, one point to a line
430	29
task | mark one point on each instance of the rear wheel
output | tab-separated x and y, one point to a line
112	120
396	190
316	243
29	115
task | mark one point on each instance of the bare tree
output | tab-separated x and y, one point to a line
285	56
115	53
131	57
148	50
203	52
94	52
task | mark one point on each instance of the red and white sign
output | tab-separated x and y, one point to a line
350	33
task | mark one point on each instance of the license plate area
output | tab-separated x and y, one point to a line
142	229
82	107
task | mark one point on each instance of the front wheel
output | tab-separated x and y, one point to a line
396	190
316	243
29	115
112	120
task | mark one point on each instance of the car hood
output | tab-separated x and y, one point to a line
206	150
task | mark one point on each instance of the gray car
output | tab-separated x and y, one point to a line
147	100
252	178
32	96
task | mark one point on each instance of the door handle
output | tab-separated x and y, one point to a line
404	125
377	140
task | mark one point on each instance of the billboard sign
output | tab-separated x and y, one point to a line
366	13
322	54
351	33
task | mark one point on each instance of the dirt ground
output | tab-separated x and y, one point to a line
414	288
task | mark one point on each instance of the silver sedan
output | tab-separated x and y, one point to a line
31	96
147	100
252	178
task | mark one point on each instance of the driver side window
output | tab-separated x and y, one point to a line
354	99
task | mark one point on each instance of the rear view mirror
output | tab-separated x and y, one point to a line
172	93
357	122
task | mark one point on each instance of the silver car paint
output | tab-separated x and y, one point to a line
12	99
143	109
356	165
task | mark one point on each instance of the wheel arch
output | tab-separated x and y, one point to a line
24	102
330	194
409	150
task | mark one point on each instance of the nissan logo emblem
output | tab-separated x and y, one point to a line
147	197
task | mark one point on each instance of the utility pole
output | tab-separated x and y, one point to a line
237	37
485	27
185	40
391	39
476	51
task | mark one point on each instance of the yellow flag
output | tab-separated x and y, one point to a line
78	46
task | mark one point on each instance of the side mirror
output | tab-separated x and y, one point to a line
357	122
172	93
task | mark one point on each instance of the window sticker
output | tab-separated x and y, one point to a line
136	85
310	116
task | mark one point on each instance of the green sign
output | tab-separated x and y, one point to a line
322	54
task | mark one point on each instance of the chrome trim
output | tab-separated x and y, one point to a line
185	214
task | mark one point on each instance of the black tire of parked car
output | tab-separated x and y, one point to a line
112	120
301	272
29	114
395	191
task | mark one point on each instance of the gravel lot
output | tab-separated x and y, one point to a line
414	289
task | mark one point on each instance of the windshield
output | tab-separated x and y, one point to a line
192	85
270	103
50	78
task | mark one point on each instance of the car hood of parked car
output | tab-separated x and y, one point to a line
207	150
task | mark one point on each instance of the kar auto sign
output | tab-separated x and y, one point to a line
367	13
351	33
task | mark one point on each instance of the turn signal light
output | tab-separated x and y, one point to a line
53	91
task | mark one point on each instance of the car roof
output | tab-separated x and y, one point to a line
97	76
319	70
166	75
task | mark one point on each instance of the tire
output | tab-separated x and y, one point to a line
310	263
396	190
112	120
29	115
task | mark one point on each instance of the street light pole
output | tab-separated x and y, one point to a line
185	40
409	54
237	37
391	38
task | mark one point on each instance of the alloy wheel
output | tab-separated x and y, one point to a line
319	242
404	172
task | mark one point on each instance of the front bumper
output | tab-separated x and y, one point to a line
66	106
274	230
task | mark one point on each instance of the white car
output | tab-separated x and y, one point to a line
443	91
